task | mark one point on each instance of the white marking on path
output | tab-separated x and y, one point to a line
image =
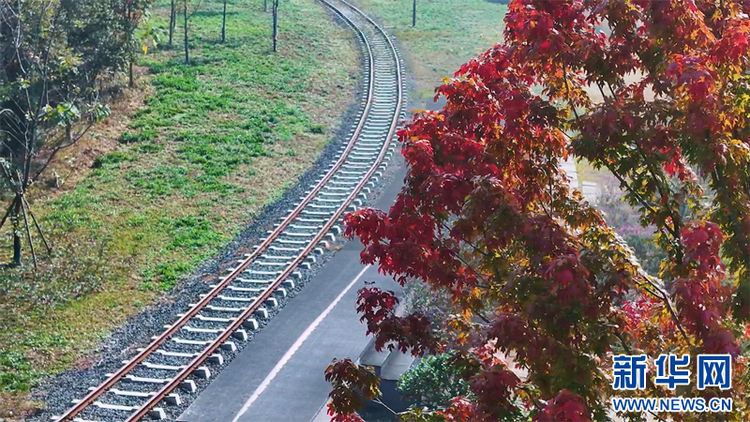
297	344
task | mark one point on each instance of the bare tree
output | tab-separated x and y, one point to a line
275	12
172	21
131	18
414	13
187	13
224	23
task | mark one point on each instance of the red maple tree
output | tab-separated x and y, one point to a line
487	214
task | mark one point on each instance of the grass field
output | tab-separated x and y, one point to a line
448	34
212	143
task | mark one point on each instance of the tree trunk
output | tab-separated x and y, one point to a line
275	24
224	23
25	178
185	25
414	14
131	78
172	21
265	5
128	14
15	215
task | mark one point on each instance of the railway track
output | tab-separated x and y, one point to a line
152	381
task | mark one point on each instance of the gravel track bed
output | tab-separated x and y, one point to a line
187	398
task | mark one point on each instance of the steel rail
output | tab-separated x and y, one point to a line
247	313
156	343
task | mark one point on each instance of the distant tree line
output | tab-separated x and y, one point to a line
188	8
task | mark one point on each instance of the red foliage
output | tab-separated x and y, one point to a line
411	332
494	389
352	386
460	410
346	417
566	407
487	215
702	297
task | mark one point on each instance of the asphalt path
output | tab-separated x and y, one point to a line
279	376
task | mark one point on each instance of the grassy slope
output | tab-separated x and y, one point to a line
447	35
214	143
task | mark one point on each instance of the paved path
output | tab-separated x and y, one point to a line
279	376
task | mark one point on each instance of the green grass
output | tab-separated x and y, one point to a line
216	141
448	34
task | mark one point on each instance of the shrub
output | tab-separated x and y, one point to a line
433	382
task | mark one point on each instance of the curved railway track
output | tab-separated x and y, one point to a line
151	382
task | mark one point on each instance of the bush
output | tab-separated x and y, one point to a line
318	129
433	382
435	305
648	253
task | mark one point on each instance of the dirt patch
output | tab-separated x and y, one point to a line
86	362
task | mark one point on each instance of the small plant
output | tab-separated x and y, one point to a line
165	276
150	148
16	372
144	136
111	159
